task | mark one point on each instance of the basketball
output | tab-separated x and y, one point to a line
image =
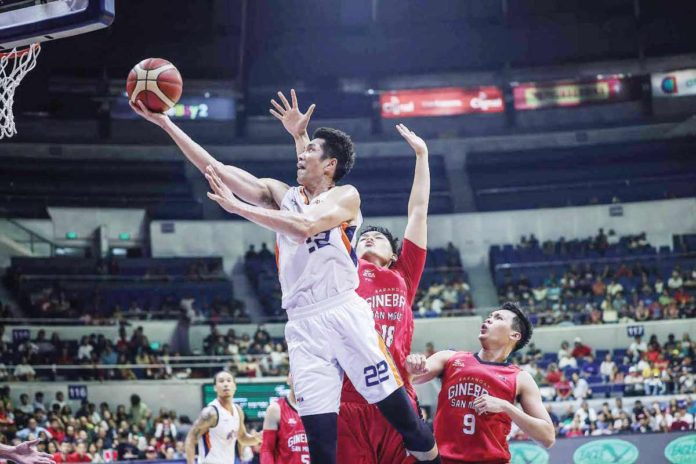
155	82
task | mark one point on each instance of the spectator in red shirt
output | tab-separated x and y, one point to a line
580	350
553	375
563	388
80	454
56	429
62	455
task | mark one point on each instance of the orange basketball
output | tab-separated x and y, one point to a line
155	82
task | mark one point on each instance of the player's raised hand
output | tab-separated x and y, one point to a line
417	143
25	453
294	121
416	364
220	192
156	118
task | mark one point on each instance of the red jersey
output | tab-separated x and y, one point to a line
292	441
390	293
460	433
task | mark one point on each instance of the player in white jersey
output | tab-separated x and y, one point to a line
214	435
330	329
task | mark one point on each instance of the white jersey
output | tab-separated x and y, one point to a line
218	445
322	266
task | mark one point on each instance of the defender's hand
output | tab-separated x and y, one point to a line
294	121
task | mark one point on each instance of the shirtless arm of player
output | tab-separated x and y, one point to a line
294	121
206	419
417	225
244	437
24	453
340	205
271	422
532	419
266	193
424	369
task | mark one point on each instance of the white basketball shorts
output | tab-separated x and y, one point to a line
332	337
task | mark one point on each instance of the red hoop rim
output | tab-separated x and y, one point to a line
19	53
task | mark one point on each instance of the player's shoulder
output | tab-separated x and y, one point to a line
274	409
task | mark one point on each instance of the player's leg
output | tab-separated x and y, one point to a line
386	441
317	380
367	362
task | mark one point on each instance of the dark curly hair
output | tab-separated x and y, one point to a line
337	144
393	241
520	324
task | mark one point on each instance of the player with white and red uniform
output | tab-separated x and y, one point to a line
389	284
476	404
284	437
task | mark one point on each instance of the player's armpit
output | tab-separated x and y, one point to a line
276	192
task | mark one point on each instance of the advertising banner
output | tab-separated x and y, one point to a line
654	448
188	108
533	95
447	101
674	84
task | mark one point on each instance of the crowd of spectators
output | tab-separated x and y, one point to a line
103	291
93	433
601	292
255	356
579	373
675	415
136	357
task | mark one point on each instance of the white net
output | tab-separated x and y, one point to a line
14	65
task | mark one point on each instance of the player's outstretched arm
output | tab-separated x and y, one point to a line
533	419
294	121
245	437
417	225
266	193
24	453
206	419
424	370
340	205
269	448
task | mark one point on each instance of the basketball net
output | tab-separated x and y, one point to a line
14	65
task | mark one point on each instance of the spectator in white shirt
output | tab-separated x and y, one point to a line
638	345
84	352
606	369
564	357
675	281
581	389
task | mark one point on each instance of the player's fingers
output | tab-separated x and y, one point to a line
280	109
310	110
293	97
214	197
276	114
284	100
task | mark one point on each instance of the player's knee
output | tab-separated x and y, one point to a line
398	410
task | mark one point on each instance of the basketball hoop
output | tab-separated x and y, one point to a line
14	65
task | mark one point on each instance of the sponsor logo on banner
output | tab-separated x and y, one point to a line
448	101
674	84
682	450
610	451
531	96
527	453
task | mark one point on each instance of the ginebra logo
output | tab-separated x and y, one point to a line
369	274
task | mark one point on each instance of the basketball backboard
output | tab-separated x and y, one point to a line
23	22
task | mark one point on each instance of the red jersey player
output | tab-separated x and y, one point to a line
284	437
389	285
476	405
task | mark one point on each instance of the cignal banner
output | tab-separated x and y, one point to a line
674	84
650	448
536	95
445	101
